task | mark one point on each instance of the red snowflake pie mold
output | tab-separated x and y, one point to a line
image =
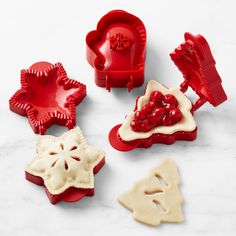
47	96
65	166
116	50
164	115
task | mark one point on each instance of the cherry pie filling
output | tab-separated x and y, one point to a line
161	110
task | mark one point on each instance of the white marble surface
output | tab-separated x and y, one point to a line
55	31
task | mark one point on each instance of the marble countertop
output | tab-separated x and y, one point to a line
55	31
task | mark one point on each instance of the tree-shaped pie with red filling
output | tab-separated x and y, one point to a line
164	115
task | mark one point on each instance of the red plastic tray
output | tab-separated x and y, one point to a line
116	50
194	59
47	96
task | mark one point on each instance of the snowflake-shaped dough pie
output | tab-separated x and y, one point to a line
66	166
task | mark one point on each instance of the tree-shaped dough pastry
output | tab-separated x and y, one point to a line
156	198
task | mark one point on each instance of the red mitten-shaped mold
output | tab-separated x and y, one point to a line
65	166
116	50
164	115
47	96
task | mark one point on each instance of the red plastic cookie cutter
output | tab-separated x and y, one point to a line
47	96
194	59
116	50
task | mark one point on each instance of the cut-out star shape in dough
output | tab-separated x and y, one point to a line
156	198
65	165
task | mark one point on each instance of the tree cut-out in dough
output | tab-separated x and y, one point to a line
156	198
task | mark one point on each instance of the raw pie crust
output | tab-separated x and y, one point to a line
65	161
156	198
186	124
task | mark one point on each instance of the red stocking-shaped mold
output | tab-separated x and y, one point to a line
47	96
164	115
116	50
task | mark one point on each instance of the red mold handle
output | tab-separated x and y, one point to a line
40	66
118	143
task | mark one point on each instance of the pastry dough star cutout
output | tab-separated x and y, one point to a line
156	198
65	166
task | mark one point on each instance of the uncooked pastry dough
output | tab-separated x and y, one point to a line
65	161
186	124
156	198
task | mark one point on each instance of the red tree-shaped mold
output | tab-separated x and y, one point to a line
152	121
196	62
116	50
47	96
